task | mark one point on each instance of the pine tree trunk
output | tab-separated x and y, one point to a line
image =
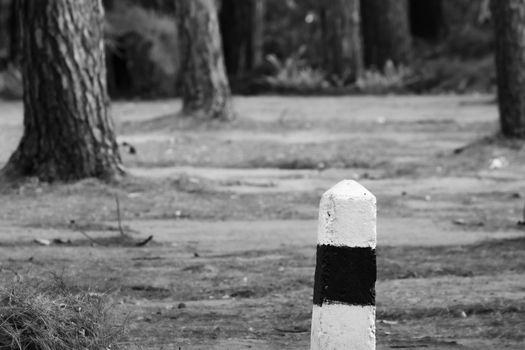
241	23
341	38
204	84
68	134
386	32
509	26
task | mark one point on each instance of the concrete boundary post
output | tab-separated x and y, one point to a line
343	314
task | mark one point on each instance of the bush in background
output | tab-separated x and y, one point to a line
390	79
293	74
142	52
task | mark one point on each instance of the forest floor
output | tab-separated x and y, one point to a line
233	211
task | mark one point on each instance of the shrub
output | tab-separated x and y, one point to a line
455	75
391	79
294	73
54	317
145	47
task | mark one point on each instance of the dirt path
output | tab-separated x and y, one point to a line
228	237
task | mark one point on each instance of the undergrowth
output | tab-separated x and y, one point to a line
295	75
54	316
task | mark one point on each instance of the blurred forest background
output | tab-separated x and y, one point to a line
276	46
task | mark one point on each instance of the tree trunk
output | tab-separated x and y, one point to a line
426	19
386	32
259	11
5	31
15	33
68	134
341	38
509	26
205	87
10	41
241	23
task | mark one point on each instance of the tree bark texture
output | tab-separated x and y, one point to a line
204	83
68	134
386	32
242	26
509	26
341	37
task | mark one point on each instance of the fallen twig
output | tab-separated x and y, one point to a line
94	241
144	242
124	238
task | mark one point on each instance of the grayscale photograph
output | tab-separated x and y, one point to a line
262	174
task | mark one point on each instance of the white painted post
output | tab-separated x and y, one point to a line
343	314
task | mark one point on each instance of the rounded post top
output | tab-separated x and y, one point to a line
347	216
349	190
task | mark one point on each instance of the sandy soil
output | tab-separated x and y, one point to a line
233	211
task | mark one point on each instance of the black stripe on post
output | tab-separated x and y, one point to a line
345	275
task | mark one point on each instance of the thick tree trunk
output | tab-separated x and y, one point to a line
205	87
386	32
341	37
509	26
241	23
68	133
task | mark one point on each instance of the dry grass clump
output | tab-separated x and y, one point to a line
52	316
